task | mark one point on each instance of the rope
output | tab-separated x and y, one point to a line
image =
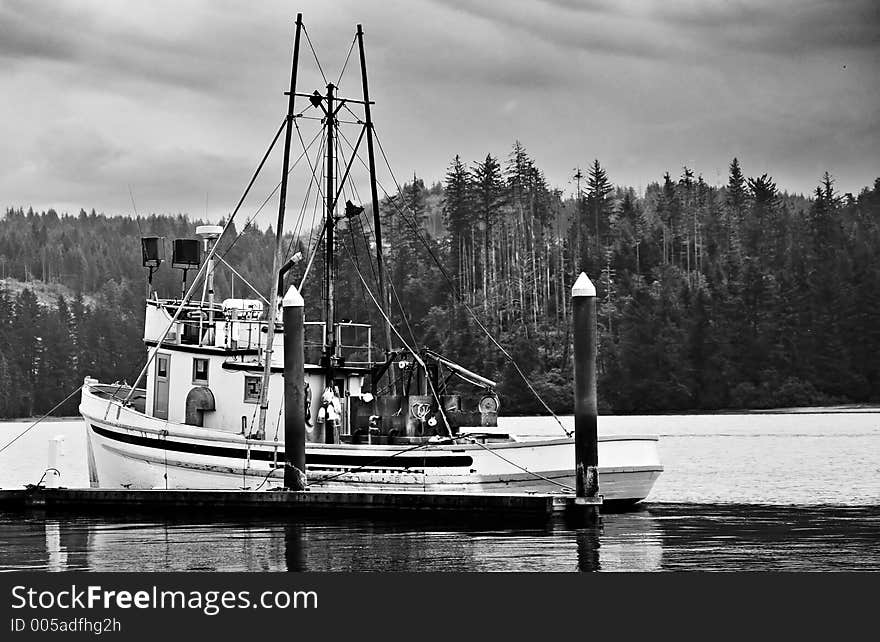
26	430
459	298
413	352
373	461
455	294
164	436
526	470
40	483
266	478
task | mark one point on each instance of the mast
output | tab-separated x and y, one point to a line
279	232
329	266
380	264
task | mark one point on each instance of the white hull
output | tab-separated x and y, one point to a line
131	450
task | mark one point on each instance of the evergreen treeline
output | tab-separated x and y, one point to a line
46	350
710	297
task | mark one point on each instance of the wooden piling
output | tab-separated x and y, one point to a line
294	380
583	305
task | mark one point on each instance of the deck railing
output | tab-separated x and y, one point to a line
244	331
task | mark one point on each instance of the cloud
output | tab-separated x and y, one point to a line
178	99
781	27
593	27
684	30
28	32
200	52
73	153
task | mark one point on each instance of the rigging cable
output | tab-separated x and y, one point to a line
366	218
314	53
413	352
319	194
502	457
246	282
345	64
301	219
376	460
458	297
205	263
259	209
387	272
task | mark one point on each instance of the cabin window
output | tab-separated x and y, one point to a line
200	371
252	386
162	366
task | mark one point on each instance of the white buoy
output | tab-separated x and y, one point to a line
56	452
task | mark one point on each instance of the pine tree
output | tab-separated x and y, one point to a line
735	206
598	189
488	189
457	209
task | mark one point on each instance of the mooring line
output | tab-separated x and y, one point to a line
26	430
526	470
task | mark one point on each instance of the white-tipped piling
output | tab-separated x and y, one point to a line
583	305
294	380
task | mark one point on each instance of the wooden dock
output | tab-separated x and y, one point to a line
323	503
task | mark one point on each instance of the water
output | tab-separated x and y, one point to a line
740	492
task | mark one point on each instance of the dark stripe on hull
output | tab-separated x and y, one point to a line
312	459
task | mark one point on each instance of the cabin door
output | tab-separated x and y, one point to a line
339	384
160	392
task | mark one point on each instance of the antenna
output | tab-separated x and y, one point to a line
209	235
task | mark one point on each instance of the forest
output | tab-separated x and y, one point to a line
710	297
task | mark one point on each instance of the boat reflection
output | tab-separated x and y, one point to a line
36	541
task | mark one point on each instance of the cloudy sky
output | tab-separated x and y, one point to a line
176	100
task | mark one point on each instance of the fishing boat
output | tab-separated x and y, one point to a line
206	409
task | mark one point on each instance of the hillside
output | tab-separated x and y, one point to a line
47	293
738	296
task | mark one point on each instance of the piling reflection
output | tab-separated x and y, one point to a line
62	542
588	548
295	559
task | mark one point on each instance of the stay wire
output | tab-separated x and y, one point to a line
211	253
297	229
459	298
415	355
314	53
271	194
317	182
387	272
345	64
305	205
369	224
